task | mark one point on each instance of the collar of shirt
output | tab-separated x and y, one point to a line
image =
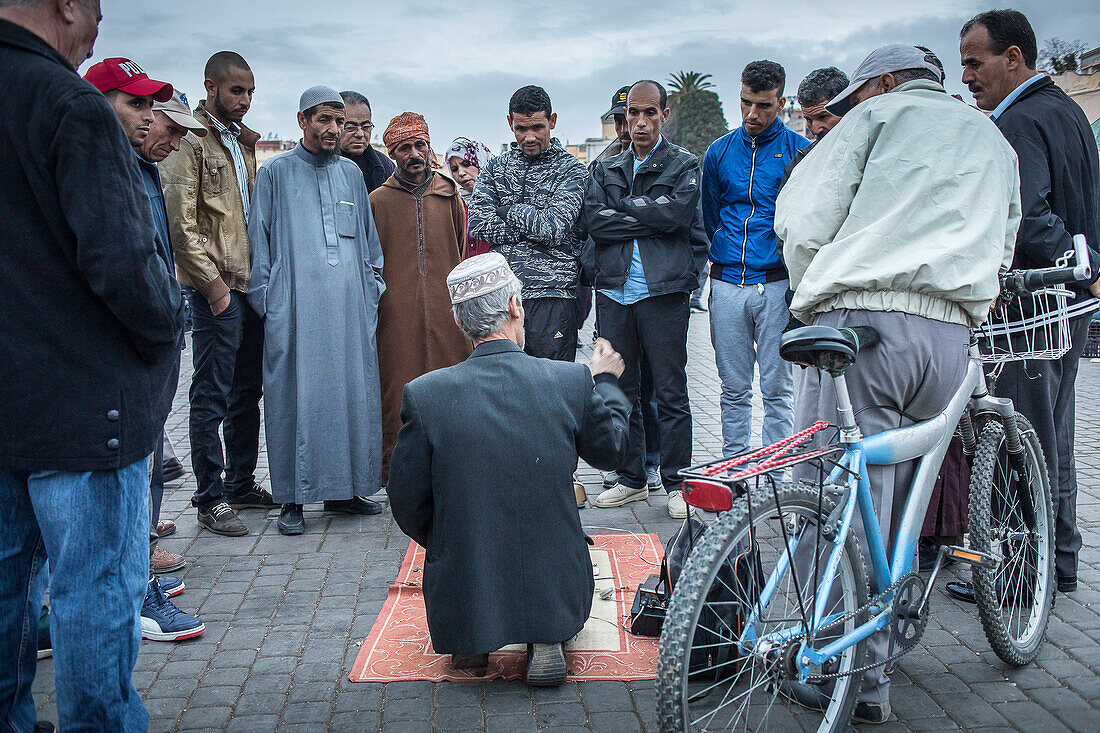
639	162
1013	95
233	130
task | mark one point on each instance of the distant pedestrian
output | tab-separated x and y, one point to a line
422	229
466	158
92	322
316	281
208	190
355	141
525	205
642	211
1060	196
748	280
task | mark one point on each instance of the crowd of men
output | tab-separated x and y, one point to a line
385	311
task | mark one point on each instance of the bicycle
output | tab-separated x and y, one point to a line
775	598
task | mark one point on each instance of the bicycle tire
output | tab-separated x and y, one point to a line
989	515
694	584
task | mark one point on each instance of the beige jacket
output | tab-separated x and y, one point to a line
911	203
205	211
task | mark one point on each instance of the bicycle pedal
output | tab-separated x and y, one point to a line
971	557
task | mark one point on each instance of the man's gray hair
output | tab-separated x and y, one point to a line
483	316
821	86
905	75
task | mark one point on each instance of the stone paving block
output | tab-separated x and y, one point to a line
407	726
969	710
610	696
458	718
260	703
355	699
1027	715
252	724
997	692
510	724
408	690
611	722
407	709
219	695
204	718
358	720
307	712
554	715
456	695
914	703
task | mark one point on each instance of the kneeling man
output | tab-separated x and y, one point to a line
482	478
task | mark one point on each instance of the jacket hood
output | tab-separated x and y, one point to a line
440	185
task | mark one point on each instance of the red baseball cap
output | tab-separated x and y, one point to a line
126	76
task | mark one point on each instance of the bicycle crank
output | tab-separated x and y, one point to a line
910	612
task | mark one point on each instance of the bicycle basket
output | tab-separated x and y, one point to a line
1032	326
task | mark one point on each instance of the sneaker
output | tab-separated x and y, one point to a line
167	562
166	527
873	713
220	519
358	505
677	507
618	495
610	479
170	585
653	478
545	665
45	647
291	520
254	497
162	621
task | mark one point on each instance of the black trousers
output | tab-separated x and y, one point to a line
653	330
225	393
550	328
1042	391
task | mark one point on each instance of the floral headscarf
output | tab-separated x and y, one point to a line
474	152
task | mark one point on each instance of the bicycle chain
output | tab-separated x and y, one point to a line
816	678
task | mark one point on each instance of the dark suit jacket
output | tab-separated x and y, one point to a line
482	478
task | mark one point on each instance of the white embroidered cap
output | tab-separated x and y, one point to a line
479	276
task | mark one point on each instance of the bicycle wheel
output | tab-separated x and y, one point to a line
708	680
1014	599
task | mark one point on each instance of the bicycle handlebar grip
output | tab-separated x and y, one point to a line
866	336
1036	279
1081	249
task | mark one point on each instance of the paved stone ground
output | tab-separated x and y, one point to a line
285	616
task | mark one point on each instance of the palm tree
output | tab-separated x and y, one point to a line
683	82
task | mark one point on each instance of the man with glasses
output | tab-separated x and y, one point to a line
355	141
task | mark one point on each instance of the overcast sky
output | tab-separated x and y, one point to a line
457	63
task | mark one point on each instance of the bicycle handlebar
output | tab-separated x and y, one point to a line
1023	281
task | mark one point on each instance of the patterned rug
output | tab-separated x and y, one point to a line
399	648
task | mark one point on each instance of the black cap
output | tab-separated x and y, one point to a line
618	103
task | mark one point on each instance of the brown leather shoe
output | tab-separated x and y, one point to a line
166	562
166	527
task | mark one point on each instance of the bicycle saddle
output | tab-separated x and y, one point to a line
830	349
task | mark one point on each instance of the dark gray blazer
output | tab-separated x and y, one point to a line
482	478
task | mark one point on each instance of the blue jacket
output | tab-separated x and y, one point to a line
741	178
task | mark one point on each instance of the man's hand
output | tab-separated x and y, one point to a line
220	304
605	359
1094	289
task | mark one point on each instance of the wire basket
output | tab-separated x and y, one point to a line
1031	326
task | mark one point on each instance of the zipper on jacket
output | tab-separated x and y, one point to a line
752	212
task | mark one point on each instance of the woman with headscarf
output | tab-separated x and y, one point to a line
466	158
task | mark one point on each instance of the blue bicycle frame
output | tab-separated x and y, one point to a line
926	441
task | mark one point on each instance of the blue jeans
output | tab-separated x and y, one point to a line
92	527
746	323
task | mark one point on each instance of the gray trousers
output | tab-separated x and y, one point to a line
910	375
1042	391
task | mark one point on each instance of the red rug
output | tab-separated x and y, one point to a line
400	649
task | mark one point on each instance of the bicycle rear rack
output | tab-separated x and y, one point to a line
713	486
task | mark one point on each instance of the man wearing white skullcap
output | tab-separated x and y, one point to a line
482	478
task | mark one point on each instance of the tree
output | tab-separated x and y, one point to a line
1060	56
683	82
697	120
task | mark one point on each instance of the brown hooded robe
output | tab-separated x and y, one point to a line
423	237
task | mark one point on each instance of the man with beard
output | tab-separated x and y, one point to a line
316	280
207	188
422	227
1060	197
355	141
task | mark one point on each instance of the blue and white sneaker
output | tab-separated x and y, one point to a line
653	478
171	585
162	621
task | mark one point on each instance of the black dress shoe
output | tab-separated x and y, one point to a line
358	505
43	726
173	470
927	552
962	591
871	712
545	665
253	497
1067	583
291	520
476	663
